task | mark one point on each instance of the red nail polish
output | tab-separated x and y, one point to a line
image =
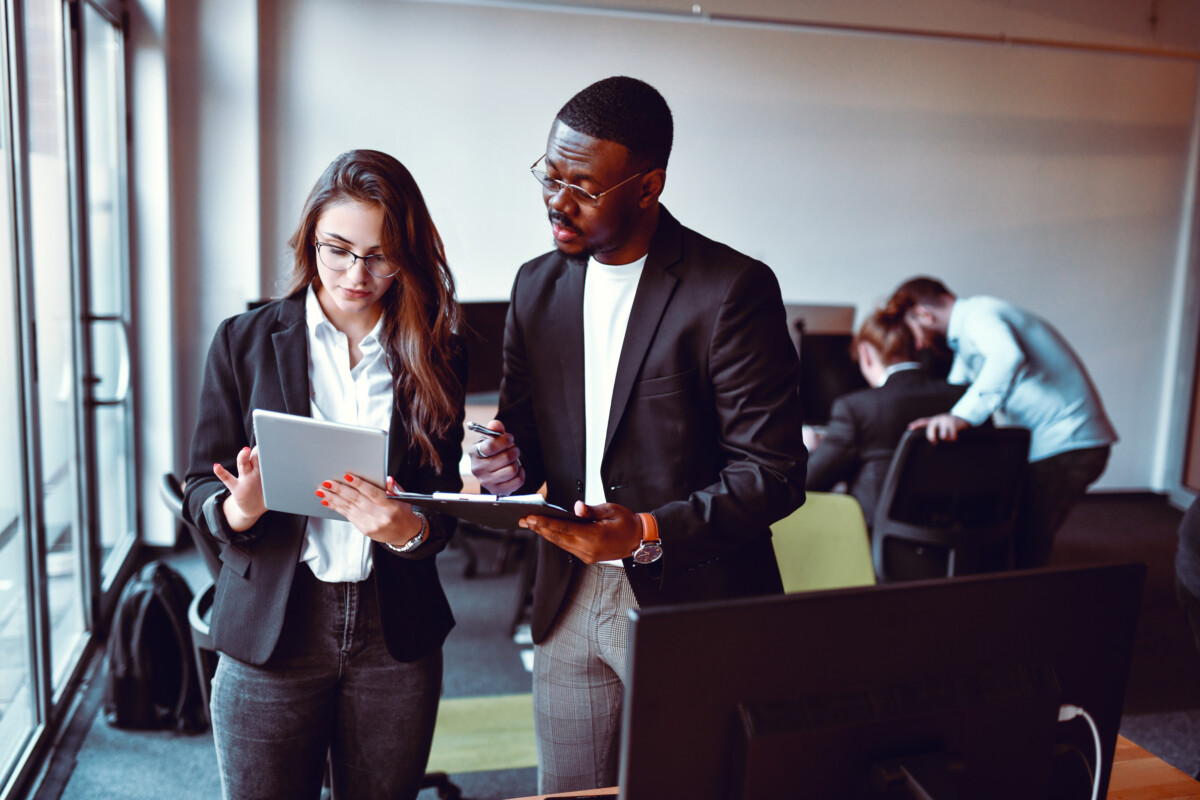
327	484
324	502
320	493
349	478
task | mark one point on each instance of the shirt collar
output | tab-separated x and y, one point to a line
901	367
954	326
314	315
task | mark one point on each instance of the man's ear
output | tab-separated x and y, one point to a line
652	185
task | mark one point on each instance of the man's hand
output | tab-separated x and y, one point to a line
943	427
616	533
496	462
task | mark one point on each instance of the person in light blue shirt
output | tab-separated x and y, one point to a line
1020	371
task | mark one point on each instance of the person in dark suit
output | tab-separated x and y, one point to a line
865	426
330	631
650	382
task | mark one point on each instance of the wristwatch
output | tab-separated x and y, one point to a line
414	542
650	550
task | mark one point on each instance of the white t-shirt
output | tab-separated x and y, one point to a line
608	293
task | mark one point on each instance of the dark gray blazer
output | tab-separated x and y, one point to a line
260	360
864	428
704	428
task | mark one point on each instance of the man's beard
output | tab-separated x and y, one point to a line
580	259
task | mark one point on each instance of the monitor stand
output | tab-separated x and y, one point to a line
923	777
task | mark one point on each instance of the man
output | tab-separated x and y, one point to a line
1021	369
865	426
650	382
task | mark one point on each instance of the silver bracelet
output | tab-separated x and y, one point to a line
415	542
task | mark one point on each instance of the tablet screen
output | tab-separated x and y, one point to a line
296	453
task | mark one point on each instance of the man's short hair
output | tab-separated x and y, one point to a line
626	111
917	291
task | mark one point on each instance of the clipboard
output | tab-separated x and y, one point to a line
488	510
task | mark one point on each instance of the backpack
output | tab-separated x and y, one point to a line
151	679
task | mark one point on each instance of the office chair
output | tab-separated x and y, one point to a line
949	508
823	544
203	652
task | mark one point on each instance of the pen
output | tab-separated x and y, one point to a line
475	426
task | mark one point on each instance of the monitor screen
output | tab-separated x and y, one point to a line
827	694
485	347
827	371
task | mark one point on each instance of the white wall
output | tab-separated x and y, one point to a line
1050	177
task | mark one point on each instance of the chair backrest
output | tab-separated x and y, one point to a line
949	508
171	492
823	544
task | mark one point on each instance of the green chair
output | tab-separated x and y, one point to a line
823	545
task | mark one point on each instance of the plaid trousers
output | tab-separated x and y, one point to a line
578	683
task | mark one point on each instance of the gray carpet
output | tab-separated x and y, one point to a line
480	658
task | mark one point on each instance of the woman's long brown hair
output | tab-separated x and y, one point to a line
420	313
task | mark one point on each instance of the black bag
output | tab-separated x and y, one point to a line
151	679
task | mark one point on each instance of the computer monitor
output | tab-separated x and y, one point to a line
485	348
819	694
827	371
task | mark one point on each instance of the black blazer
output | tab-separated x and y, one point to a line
704	428
865	427
260	360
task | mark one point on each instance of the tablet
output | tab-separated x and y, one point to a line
296	453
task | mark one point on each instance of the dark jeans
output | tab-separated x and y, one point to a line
331	688
1052	488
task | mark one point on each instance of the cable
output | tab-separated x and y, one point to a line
1068	712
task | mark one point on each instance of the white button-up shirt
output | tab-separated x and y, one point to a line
334	549
1023	371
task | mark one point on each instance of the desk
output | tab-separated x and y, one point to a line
1137	774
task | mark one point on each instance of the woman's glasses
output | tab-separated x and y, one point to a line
340	259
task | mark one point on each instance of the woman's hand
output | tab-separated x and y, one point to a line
368	508
245	503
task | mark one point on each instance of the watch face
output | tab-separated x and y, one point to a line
648	553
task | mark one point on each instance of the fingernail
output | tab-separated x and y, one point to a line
327	484
246	449
320	493
350	478
324	502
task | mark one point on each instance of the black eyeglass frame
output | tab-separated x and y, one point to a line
578	192
354	259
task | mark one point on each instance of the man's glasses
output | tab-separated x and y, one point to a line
578	192
340	259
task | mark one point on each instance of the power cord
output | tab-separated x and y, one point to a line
1068	712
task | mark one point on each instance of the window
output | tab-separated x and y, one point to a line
67	526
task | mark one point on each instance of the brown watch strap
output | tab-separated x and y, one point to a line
649	527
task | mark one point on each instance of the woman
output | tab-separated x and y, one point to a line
865	426
330	632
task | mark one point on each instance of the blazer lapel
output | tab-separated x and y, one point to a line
568	310
291	356
653	292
